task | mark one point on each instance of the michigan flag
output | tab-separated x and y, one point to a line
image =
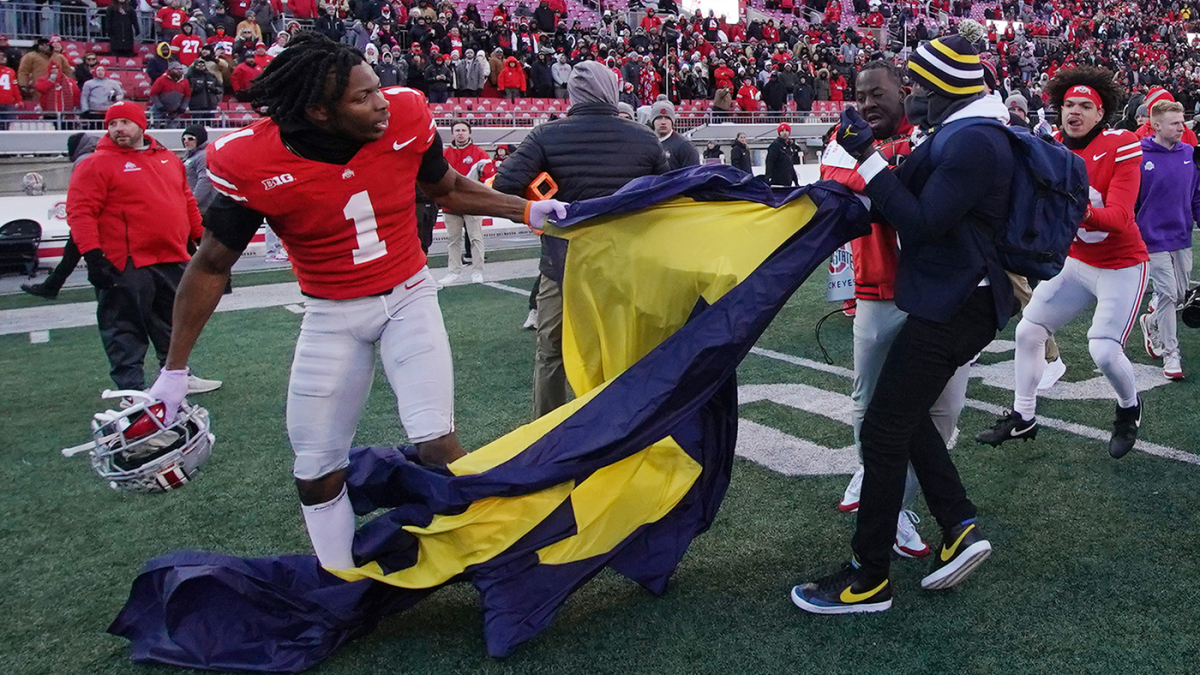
667	286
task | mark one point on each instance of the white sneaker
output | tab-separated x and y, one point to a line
1172	367
1153	348
849	503
1053	372
280	257
477	277
198	385
531	320
450	279
908	541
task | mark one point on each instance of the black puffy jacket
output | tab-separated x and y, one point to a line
589	153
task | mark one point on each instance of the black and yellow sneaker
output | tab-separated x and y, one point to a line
1007	428
963	549
847	591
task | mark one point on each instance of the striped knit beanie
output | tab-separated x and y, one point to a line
1155	95
948	66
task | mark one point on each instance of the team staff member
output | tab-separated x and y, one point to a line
1106	264
950	283
131	214
589	153
880	93
327	168
1167	208
461	155
679	151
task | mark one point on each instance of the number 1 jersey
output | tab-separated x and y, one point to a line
350	229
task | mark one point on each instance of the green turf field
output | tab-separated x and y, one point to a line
1095	565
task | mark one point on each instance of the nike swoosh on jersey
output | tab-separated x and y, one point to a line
850	596
1096	158
398	145
409	288
947	554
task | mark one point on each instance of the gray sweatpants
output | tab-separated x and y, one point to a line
1169	271
876	323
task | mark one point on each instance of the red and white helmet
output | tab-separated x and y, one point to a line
133	449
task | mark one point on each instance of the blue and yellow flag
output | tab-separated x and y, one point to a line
667	286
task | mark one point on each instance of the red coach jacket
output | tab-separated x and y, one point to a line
133	204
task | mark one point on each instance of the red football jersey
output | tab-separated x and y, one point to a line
1109	238
350	230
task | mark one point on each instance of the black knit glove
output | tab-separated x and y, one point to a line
101	273
855	135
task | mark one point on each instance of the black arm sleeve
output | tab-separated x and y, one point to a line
231	223
433	163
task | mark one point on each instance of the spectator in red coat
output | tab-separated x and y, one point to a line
58	92
723	76
650	21
242	76
10	93
171	93
837	87
511	80
186	46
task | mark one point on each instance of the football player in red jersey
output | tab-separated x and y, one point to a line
1106	266
328	169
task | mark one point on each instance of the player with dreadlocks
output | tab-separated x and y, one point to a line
1107	262
333	169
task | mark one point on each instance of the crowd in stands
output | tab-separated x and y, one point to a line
804	56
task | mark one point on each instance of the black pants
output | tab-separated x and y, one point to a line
537	283
134	313
426	219
897	428
70	258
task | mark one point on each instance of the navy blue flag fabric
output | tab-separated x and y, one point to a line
286	613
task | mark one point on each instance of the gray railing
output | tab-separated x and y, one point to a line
28	21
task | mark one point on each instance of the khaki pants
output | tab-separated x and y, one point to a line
1023	292
549	377
454	244
1169	272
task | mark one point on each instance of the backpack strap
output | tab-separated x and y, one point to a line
942	134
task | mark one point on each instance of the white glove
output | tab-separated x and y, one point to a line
537	213
1095	198
170	388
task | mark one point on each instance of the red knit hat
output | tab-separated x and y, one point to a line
1157	94
126	110
784	127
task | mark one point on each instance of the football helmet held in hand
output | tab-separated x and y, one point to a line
135	449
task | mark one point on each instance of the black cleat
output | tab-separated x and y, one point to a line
1008	428
847	591
40	290
1125	430
963	549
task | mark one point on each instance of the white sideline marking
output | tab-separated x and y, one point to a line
294	309
1050	422
504	287
38	337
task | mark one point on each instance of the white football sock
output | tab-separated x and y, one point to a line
1030	364
331	529
1110	358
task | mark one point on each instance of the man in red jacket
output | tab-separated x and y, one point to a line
462	154
10	93
131	214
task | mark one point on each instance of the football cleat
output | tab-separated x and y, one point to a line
1125	430
1153	349
847	591
40	290
1172	368
963	549
908	540
849	503
1007	428
135	450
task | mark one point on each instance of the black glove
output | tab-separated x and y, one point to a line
101	273
855	135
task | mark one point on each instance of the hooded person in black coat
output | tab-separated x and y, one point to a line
589	153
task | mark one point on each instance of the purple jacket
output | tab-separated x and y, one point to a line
1169	201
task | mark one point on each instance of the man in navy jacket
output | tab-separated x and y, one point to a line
957	296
